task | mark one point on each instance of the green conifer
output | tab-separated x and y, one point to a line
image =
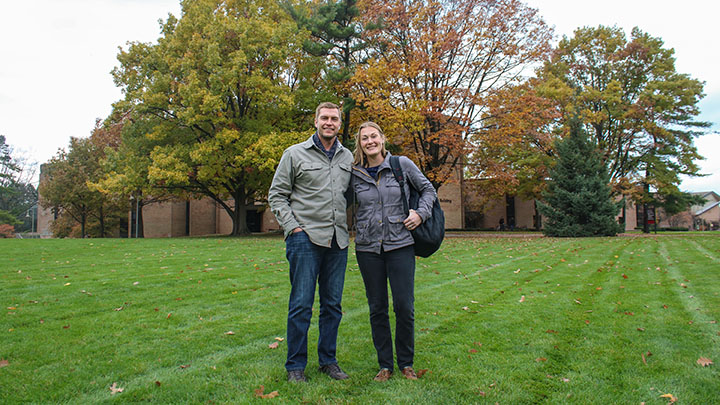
578	200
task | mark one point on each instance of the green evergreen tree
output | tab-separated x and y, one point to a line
335	35
578	199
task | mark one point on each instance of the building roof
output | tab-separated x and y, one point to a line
706	194
707	208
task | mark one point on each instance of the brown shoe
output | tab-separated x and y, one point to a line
383	375
409	373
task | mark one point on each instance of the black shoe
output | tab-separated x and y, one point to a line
334	371
296	376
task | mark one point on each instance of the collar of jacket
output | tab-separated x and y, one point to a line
384	165
310	142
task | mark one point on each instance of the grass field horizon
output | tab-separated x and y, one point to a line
498	320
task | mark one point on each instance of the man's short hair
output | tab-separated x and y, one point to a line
326	104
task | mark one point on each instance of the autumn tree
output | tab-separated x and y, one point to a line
125	168
433	66
218	88
67	187
639	111
578	200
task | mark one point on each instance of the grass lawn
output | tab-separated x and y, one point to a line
498	320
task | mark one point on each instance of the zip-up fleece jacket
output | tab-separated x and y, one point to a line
308	191
380	212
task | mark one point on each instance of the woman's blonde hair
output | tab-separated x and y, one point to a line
360	158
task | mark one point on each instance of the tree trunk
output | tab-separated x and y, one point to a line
346	124
101	218
239	215
140	228
83	218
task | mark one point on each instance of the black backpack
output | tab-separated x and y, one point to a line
430	234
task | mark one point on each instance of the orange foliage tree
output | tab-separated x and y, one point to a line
514	149
433	65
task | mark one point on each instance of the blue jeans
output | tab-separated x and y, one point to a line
397	267
310	265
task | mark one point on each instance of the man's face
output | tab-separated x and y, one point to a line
328	123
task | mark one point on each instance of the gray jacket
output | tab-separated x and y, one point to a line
380	212
308	191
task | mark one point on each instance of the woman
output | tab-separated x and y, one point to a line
384	245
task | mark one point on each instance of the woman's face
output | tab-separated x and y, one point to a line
371	142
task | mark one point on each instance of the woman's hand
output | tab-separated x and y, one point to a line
412	221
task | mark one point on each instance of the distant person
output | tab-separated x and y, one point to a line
501	227
511	223
308	200
384	245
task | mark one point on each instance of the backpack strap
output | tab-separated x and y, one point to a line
400	178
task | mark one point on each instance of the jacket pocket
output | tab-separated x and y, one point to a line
365	194
396	229
363	233
312	173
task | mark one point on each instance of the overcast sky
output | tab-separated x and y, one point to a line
56	57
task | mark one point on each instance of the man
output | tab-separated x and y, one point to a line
307	197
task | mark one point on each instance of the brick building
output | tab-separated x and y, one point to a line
462	211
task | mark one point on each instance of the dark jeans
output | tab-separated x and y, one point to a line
310	265
398	266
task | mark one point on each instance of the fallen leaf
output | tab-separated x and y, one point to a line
66	327
184	366
158	383
273	345
259	393
136	283
4	363
12	308
473	351
421	373
114	389
66	284
522	299
481	393
550	331
587	322
169	315
229	332
665	306
539	359
279	339
624	276
671	397
641	329
465	308
478	344
119	309
643	358
704	361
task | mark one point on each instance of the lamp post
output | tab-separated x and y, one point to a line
30	213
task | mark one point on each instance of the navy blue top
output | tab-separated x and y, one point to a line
373	171
330	153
